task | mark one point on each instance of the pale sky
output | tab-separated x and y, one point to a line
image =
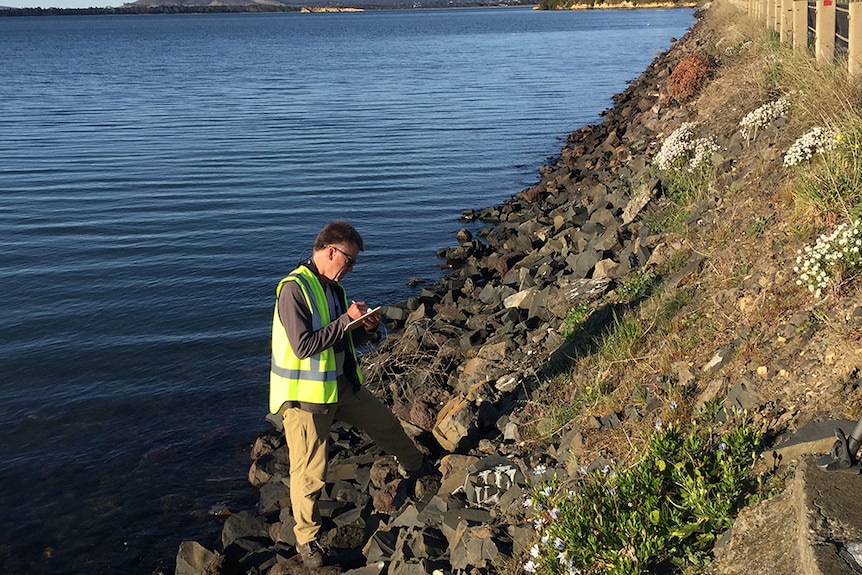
62	3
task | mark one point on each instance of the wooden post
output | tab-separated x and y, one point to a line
854	41
770	14
800	24
824	32
779	24
785	30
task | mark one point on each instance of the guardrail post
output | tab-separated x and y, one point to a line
779	18
824	33
854	41
800	24
785	22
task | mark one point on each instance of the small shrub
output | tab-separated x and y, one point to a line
639	285
686	162
689	75
682	151
832	261
758	226
667	509
762	117
827	163
575	319
816	140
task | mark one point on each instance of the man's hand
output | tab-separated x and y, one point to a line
357	309
370	322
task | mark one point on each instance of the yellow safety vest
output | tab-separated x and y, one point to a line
311	379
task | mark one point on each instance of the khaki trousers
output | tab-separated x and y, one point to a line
307	436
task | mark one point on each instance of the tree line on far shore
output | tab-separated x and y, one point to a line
254	7
586	4
287	6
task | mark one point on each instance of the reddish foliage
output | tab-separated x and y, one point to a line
688	76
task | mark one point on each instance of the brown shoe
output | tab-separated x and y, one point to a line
313	555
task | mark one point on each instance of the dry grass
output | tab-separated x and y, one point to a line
746	288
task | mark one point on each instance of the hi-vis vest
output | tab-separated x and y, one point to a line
312	379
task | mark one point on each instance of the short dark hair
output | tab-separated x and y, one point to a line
338	232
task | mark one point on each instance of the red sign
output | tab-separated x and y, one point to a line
827	2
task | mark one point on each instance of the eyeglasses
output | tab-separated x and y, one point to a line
350	259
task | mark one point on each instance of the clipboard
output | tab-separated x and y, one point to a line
357	322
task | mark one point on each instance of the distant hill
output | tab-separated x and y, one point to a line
612	4
216	6
262	5
298	4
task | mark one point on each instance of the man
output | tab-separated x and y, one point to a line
315	376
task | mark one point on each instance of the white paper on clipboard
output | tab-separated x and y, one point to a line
357	322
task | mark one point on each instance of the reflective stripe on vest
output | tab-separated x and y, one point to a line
312	379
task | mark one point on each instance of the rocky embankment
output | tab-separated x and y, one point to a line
464	356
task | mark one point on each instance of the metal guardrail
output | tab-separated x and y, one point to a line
842	27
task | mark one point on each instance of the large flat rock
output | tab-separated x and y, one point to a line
813	528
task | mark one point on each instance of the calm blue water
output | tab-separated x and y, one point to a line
159	174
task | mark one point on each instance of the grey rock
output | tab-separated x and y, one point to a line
744	396
611	420
582	264
374	568
489	478
473	546
244	524
266	468
719	360
194	559
381	545
274	495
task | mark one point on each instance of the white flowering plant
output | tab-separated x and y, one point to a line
682	151
762	117
827	167
667	508
833	260
686	161
816	140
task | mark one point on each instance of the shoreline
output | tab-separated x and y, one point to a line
463	355
473	365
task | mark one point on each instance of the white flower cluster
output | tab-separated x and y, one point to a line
532	564
703	149
817	139
832	258
681	148
763	116
557	546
